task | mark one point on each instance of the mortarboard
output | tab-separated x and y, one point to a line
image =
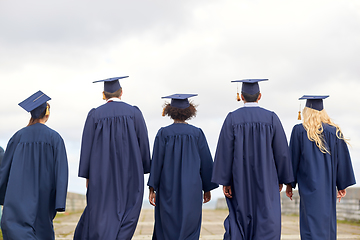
180	100
314	102
35	104
250	86
111	85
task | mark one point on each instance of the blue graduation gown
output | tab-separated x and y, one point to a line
318	175
181	169
1	154
33	183
252	157
114	157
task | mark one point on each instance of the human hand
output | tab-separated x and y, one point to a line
289	191
341	194
227	191
207	197
280	187
152	196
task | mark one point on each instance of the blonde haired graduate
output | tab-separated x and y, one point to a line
322	169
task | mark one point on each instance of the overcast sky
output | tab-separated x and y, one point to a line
166	47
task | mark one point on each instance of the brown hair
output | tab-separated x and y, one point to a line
179	113
32	120
116	94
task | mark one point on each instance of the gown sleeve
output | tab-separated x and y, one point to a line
86	145
1	154
157	161
281	153
61	176
206	166
143	139
345	174
6	166
295	151
224	155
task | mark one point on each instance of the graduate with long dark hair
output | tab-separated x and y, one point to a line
322	169
33	176
180	176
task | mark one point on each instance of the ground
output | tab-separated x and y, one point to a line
211	229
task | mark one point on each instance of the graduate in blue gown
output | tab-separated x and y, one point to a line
114	157
180	176
1	157
252	162
33	176
1	154
322	169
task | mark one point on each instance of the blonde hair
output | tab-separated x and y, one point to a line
312	123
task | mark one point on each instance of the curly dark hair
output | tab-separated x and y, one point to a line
179	113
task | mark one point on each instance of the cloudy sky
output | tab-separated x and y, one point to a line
166	47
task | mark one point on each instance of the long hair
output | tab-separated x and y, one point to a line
312	123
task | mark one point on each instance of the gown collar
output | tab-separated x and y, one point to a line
113	100
251	104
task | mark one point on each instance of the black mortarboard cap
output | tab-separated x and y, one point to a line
250	86
111	85
180	100
314	101
35	104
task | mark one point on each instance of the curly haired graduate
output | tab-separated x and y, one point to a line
180	172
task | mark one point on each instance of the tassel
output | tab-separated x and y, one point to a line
104	98
47	113
237	93
299	115
163	112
